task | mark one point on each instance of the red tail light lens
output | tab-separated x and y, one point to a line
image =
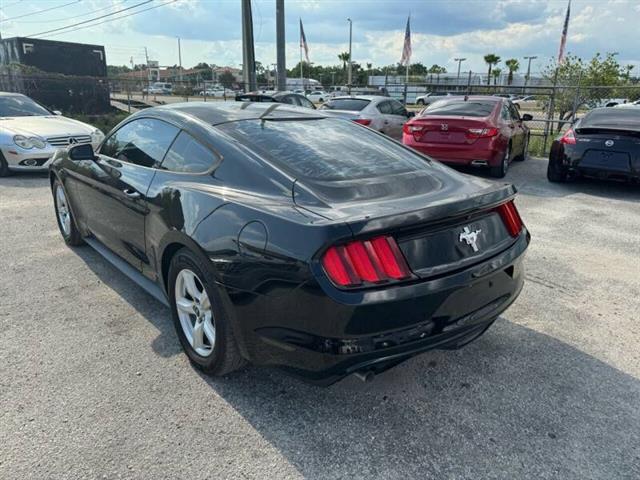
359	263
474	133
511	218
363	121
410	128
569	138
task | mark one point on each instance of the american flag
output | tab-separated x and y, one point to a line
303	43
406	51
563	40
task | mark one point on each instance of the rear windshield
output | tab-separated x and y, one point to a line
627	118
461	108
353	104
324	149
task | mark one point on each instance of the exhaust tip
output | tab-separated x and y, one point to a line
365	376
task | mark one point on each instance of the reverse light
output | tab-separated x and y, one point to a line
569	138
365	262
482	132
511	218
363	121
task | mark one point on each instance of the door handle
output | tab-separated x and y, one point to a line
131	193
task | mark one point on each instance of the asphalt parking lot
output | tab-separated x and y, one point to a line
93	383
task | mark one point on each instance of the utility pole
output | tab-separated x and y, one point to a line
459	60
349	69
180	58
248	52
146	56
280	46
526	78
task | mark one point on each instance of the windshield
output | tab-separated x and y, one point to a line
20	106
353	104
324	149
612	118
461	108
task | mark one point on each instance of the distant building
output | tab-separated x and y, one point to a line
55	57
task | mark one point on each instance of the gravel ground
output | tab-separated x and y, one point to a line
93	383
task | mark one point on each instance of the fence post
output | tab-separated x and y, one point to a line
469	84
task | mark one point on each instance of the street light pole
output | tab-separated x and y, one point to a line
526	78
180	58
459	60
349	70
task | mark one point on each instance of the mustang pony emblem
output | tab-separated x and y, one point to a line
470	237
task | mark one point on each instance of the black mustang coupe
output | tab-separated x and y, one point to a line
280	236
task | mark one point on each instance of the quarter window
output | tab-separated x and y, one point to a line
385	108
187	155
141	142
397	108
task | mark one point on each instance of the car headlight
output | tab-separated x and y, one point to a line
96	136
29	142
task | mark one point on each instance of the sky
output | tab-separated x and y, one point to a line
442	30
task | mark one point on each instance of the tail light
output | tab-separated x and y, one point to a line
474	133
511	218
363	121
365	262
410	128
569	138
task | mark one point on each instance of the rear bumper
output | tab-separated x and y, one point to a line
569	159
322	337
474	154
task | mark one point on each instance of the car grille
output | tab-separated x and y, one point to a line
68	140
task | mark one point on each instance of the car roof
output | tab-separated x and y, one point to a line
361	97
11	94
217	113
489	98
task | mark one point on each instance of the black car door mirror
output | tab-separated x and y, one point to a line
82	152
527	117
411	114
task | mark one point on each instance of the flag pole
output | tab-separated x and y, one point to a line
301	75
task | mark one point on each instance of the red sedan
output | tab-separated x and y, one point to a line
473	130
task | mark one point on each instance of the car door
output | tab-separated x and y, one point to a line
383	123
115	185
397	118
520	130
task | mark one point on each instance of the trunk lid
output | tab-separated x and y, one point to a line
448	130
426	214
611	149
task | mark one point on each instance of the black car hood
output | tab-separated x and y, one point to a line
377	203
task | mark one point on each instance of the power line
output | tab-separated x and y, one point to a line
91	19
40	11
50	20
111	19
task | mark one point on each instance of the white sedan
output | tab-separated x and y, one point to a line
30	134
383	114
635	104
317	96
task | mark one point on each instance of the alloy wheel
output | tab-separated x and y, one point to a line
62	208
195	313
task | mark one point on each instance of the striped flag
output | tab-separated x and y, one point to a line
563	40
406	51
303	43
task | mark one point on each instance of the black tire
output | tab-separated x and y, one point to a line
420	102
4	167
225	356
525	150
556	174
501	170
72	237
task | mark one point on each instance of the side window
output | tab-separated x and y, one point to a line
504	113
514	112
397	108
141	142
385	108
187	155
290	99
306	103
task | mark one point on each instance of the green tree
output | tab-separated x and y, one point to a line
344	58
491	59
437	70
226	79
513	65
496	75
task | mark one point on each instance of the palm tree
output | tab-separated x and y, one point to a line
344	58
496	74
491	59
513	65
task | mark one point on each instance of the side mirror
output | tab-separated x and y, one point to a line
82	152
411	114
527	117
57	112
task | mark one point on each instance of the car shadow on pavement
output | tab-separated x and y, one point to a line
166	344
514	404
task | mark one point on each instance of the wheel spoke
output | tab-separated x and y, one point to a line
198	335
209	329
185	305
190	285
